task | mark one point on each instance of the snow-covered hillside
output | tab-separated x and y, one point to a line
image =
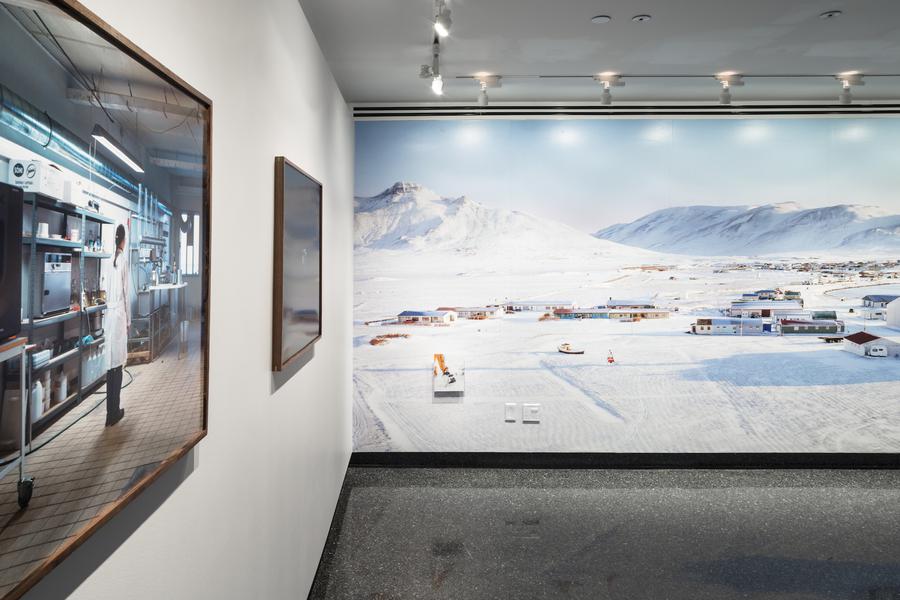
766	229
407	216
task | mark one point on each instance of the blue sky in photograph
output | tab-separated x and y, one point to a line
594	173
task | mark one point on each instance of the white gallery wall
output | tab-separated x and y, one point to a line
251	519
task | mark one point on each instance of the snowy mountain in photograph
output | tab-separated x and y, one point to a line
407	216
756	230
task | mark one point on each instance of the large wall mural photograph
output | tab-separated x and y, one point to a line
628	285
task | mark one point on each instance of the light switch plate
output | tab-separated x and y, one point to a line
511	412
531	413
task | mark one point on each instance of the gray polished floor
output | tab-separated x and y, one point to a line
519	534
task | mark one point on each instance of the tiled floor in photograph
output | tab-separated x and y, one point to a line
90	466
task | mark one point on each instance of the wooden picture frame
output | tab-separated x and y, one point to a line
81	14
282	356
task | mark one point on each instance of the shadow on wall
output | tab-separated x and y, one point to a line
279	378
74	570
831	366
819	578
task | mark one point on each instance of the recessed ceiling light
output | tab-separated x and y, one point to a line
641	18
601	19
830	14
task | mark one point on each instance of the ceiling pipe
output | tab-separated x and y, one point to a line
47	135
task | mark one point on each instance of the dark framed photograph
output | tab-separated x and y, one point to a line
297	293
104	307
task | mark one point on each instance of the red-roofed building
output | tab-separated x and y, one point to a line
864	343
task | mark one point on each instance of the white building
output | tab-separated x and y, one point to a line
864	343
634	304
878	300
893	314
764	309
727	326
475	312
426	317
537	305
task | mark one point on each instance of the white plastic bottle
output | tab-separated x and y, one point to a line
37	400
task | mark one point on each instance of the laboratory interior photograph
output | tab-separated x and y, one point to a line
449	299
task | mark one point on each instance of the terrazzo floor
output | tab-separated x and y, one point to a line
617	534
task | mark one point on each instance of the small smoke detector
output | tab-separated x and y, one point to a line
830	14
641	18
601	19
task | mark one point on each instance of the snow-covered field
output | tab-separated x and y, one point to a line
667	392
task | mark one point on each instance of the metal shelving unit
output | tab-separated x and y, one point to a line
34	323
10	350
151	335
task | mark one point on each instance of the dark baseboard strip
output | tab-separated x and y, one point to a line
319	587
588	460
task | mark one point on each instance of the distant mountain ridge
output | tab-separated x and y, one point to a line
763	229
408	216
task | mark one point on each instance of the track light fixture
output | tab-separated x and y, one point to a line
484	82
725	94
606	96
483	95
728	79
848	80
437	85
846	97
442	20
608	79
433	71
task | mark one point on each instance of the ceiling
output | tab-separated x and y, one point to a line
375	48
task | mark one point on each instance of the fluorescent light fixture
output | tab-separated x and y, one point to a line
437	85
442	21
117	149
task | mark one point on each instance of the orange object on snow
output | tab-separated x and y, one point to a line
610	358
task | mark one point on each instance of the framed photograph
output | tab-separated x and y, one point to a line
113	314
297	294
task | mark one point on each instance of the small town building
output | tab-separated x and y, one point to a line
872	313
792	295
811	327
474	312
426	317
764	309
864	343
878	300
630	304
727	326
823	314
612	313
537	305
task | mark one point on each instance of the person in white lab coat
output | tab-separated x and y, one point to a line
118	320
